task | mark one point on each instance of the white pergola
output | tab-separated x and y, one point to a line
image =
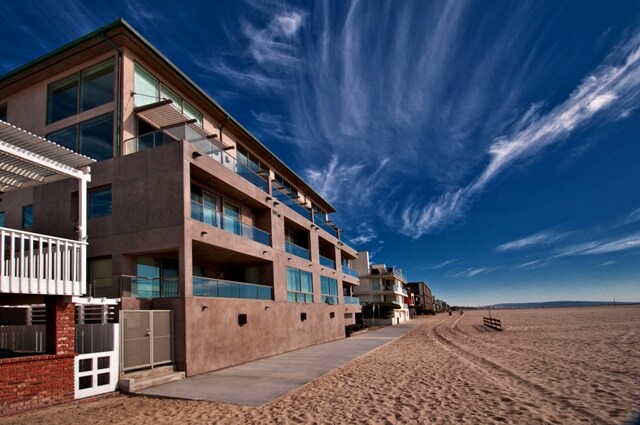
27	160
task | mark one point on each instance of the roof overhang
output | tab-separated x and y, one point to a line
28	160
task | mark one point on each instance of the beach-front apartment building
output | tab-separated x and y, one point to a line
422	297
379	283
214	250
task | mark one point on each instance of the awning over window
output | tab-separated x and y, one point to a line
28	160
163	114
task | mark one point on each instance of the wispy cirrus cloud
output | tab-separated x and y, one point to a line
611	88
474	271
275	44
538	239
632	217
602	246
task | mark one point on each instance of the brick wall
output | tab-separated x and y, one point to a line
37	381
32	382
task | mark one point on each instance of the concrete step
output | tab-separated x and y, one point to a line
134	381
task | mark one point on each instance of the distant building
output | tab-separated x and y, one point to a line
382	284
422	296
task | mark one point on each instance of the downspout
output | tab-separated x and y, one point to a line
226	120
118	95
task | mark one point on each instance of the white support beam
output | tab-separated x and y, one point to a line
41	161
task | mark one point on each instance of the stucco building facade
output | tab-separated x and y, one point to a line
187	211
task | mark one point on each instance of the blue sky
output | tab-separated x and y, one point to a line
490	149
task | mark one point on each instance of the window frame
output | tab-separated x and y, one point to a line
78	127
90	201
164	92
296	294
79	78
28	208
326	295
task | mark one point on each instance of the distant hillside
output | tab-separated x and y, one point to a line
556	304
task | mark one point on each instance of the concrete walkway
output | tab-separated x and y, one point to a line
261	381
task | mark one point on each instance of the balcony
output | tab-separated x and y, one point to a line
188	134
290	202
216	288
349	271
351	300
318	221
148	287
230	224
327	262
297	250
38	264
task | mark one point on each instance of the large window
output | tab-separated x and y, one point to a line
100	280
93	138
148	89
3	112
27	217
204	206
81	92
100	202
299	286
329	290
157	277
1	218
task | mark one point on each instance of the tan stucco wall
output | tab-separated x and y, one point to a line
215	340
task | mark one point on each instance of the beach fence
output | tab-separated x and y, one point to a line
492	322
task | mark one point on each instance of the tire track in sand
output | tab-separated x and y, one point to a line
499	374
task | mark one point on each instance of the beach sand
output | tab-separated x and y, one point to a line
557	366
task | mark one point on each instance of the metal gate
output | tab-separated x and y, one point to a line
147	339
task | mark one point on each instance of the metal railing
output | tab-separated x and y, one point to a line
349	271
328	262
206	287
214	218
291	203
317	220
149	287
186	133
297	250
32	263
351	300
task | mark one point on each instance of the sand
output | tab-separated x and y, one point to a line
556	366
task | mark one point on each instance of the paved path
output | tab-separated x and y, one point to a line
261	381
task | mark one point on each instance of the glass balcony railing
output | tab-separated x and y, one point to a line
216	288
297	250
215	218
291	203
317	220
147	141
328	262
351	300
349	271
184	132
148	287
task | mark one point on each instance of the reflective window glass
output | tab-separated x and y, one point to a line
100	201
96	137
27	217
145	86
67	137
97	86
62	101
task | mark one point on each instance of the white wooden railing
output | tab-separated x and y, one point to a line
31	263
